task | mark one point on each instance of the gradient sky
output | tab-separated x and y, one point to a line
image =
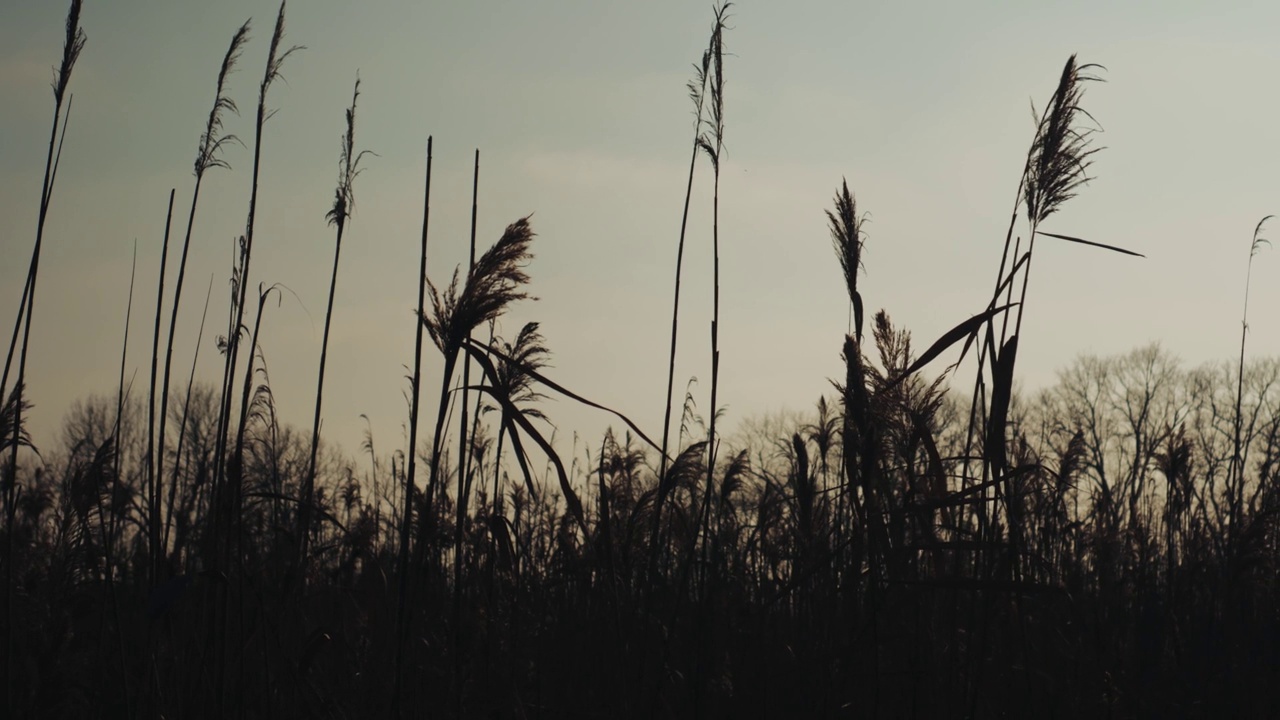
580	112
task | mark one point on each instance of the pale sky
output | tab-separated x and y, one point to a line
581	116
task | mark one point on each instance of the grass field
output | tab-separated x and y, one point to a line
925	541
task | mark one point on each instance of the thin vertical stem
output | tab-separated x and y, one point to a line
463	453
186	409
153	480
402	622
699	93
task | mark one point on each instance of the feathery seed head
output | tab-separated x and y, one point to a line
211	141
1059	159
275	59
344	199
492	285
70	51
846	236
1258	240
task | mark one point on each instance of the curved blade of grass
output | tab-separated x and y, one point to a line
519	417
522	458
476	349
965	329
570	497
1013	272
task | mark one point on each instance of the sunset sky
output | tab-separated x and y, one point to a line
580	113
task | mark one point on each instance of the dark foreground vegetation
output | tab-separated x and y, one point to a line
1106	547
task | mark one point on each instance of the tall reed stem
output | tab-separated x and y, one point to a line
343	205
186	409
402	623
211	143
1238	450
463	455
109	527
153	480
714	146
75	40
697	92
228	489
275	61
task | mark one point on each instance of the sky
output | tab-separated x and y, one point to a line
580	113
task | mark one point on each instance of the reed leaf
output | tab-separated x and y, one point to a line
966	329
1090	243
473	347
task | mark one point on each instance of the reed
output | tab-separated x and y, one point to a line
1239	450
494	283
107	524
1104	547
276	57
410	485
228	474
209	156
72	46
712	143
153	470
464	452
186	413
344	202
697	93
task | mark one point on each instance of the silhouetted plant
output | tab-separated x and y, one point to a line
153	480
1116	554
514	383
1238	453
275	63
697	93
72	46
494	283
209	155
415	386
847	239
712	142
344	202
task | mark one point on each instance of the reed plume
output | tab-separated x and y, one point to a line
344	201
1058	161
208	155
712	143
513	380
697	93
1238	451
235	328
72	46
491	287
1062	152
494	283
847	238
71	49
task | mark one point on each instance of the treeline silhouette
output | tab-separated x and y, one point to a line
1105	547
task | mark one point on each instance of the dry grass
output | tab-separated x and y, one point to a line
1106	547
